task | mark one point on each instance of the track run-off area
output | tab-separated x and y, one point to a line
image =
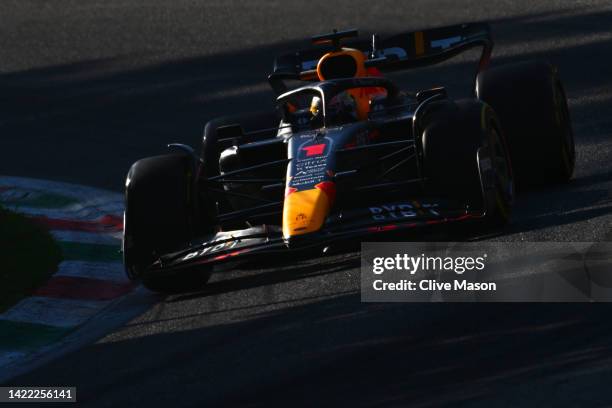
86	223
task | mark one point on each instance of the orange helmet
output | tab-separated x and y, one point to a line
349	63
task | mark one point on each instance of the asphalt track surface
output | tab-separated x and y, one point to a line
87	87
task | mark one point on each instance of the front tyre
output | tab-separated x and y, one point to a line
466	159
158	218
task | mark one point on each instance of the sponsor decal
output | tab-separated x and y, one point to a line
314	150
210	249
390	212
308	150
310	168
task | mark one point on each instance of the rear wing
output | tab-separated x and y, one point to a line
398	52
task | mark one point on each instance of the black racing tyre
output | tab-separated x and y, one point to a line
159	214
531	104
456	135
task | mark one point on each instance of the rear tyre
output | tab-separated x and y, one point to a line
457	137
532	107
158	218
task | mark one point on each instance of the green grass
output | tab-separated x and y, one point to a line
28	256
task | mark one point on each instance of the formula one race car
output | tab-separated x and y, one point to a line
347	154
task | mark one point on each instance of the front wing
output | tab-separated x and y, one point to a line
227	246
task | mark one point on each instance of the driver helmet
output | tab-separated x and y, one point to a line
350	63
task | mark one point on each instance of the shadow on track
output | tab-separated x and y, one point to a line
281	272
341	352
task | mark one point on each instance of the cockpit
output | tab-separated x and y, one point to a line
331	102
